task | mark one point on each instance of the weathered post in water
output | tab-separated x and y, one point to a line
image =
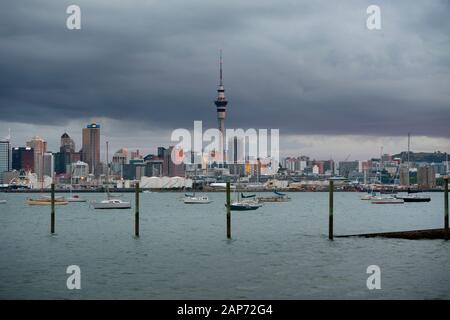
330	217
446	207
228	211
52	216
136	214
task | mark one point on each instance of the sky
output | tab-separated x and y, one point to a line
311	69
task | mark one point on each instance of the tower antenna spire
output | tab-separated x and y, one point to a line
221	78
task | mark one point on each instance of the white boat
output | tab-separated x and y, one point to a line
386	200
244	205
2	201
112	204
197	200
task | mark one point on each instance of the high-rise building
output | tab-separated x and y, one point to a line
48	164
66	154
23	159
221	106
91	146
5	158
39	146
171	168
67	143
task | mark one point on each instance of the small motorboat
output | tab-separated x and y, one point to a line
244	205
386	200
2	201
75	198
196	200
111	204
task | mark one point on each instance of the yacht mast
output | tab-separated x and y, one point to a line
409	145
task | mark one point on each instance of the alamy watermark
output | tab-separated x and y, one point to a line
374	280
74	280
236	146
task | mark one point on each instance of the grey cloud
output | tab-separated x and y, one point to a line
304	67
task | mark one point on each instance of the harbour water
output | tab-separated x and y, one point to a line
279	251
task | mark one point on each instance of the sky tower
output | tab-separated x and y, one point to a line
221	105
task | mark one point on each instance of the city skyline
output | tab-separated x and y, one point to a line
331	92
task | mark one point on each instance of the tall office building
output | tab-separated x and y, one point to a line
221	106
49	164
23	159
5	158
91	146
67	143
39	146
66	154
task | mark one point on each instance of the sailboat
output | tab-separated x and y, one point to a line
110	203
412	196
192	198
244	204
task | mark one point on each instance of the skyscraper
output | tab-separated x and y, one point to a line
5	158
91	146
221	105
39	146
67	143
23	159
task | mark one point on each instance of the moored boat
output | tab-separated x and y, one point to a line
386	200
46	201
197	200
111	204
244	205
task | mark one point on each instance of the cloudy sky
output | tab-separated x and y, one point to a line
310	68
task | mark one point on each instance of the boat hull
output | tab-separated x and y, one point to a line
245	207
106	206
45	203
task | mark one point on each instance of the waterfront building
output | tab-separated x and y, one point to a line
23	159
91	146
79	172
348	167
404	175
426	177
119	159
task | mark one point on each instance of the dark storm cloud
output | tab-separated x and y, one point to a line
304	67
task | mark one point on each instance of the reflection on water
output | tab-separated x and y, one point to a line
279	251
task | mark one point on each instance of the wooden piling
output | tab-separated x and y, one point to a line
330	217
52	215
228	211
446	207
136	214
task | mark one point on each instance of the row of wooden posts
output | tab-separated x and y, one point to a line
228	203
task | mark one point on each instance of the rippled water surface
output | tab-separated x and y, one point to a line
279	251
